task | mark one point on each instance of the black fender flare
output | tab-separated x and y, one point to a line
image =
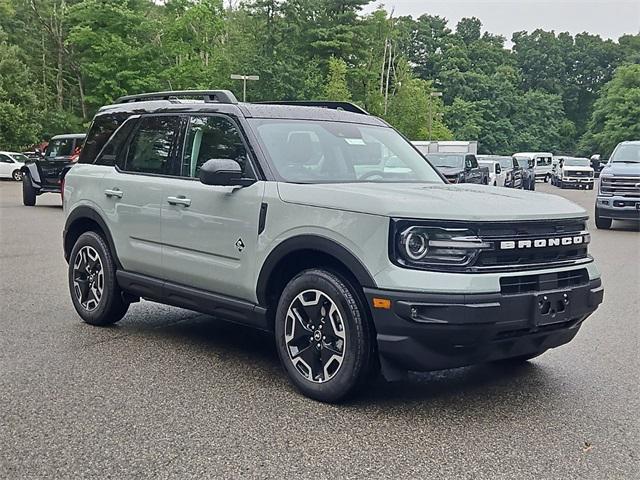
83	213
31	169
311	242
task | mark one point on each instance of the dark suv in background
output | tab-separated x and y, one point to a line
45	175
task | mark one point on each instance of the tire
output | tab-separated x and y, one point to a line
328	357
91	261
602	223
16	175
28	192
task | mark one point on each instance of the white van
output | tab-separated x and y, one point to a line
542	163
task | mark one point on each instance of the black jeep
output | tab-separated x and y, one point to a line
44	175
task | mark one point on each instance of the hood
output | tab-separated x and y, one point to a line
576	169
432	201
622	169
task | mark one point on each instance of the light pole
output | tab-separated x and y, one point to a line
432	95
244	79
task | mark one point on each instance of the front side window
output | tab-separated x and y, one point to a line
312	151
152	145
210	138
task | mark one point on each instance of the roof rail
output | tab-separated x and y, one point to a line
209	96
346	106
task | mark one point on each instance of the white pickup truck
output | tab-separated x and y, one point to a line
573	172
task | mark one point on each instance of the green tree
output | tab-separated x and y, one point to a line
616	115
19	126
336	87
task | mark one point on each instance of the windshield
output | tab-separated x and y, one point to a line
18	157
307	151
522	162
577	162
629	153
61	147
506	162
446	160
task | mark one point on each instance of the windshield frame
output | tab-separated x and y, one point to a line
252	125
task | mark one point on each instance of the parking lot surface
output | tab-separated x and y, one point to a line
171	393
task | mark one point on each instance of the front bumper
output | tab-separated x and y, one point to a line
619	208
425	331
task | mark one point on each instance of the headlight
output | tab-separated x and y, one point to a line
435	247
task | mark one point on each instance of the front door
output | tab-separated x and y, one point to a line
134	192
209	233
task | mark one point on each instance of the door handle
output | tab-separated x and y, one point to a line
113	192
179	200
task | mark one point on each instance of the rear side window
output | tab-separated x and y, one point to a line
153	145
101	130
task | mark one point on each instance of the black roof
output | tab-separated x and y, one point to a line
203	101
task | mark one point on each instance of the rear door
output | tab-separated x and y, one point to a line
210	233
133	192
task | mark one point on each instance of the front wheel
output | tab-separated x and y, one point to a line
601	222
28	192
323	335
94	290
17	175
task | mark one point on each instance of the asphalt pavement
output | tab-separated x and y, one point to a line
169	393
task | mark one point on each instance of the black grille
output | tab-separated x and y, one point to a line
534	257
572	173
543	282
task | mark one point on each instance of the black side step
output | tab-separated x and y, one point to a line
228	308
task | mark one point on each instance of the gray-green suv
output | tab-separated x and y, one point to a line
323	225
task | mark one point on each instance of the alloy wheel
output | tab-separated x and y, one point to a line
17	175
88	278
315	336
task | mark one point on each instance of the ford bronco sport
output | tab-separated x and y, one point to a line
322	225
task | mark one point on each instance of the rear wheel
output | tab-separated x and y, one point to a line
94	290
323	336
28	192
16	175
601	222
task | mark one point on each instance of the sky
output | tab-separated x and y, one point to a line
608	18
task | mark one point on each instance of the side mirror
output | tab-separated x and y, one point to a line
223	172
498	169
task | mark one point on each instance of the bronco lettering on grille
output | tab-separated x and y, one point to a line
544	242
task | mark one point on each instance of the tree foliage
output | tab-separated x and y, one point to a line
60	60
